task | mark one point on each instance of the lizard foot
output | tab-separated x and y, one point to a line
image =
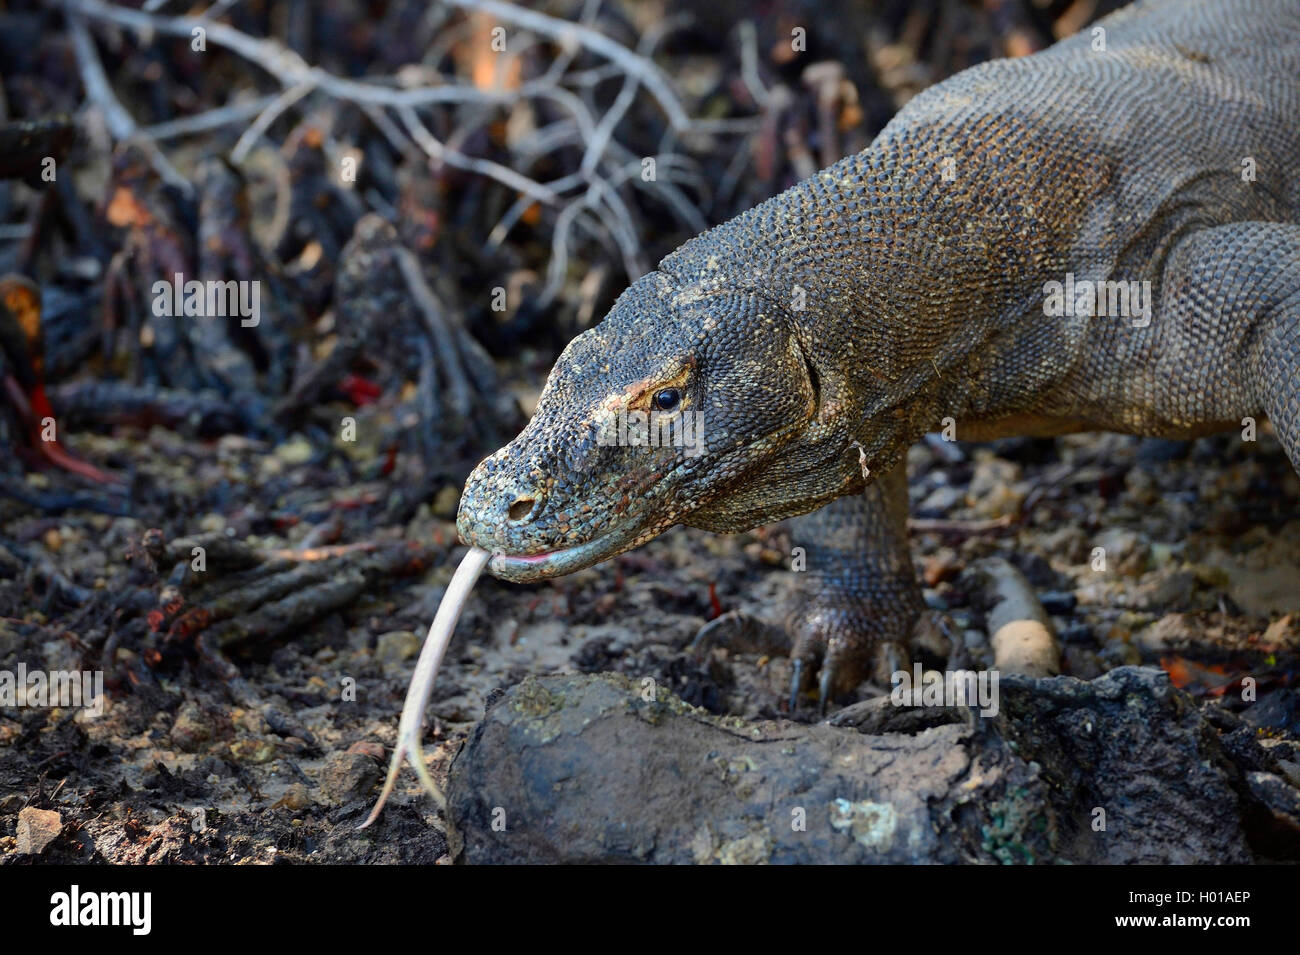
844	645
836	647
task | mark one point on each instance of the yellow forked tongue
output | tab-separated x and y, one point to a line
411	726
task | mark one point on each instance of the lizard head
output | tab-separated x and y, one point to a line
682	406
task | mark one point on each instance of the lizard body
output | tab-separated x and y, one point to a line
821	333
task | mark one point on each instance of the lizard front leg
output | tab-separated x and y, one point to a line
860	599
1233	295
862	596
1276	359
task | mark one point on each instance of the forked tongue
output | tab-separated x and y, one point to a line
411	726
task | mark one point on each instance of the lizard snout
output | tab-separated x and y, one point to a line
502	510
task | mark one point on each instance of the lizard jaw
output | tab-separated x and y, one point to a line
523	569
526	568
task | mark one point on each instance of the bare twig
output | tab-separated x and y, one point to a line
264	120
120	124
631	63
484	167
210	119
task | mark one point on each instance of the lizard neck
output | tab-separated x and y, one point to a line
907	276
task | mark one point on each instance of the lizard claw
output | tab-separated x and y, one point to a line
824	685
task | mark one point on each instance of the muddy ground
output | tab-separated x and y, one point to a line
262	759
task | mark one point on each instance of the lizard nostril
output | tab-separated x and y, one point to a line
522	508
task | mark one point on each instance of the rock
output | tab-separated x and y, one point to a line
1132	745
1168	587
1080	663
945	565
296	450
252	751
348	777
447	502
295	798
583	769
37	828
396	646
944	498
1276	816
1036	570
1283	634
1161	450
1172	631
1120	653
1070	544
368	747
1291	770
995	489
1126	551
1078	633
1261	578
189	730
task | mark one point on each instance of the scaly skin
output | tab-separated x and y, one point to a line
830	327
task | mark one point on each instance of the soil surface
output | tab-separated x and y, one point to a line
269	756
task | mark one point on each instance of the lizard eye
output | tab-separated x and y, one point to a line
667	399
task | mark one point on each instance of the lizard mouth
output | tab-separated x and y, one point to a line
524	568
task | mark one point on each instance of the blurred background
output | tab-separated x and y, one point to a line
521	165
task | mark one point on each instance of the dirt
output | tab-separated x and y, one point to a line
269	756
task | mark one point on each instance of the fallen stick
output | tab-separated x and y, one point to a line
1019	629
411	726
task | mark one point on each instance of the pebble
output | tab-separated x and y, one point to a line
942	500
1126	550
1119	654
252	751
945	565
447	503
1167	587
1080	633
368	747
297	450
190	731
348	777
295	797
995	490
37	828
11	804
396	646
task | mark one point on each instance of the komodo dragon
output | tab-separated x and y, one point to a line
821	333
